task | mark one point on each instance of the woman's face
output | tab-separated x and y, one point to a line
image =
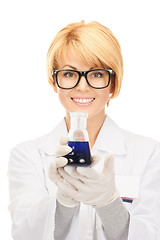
73	99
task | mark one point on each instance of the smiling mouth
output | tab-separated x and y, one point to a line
83	100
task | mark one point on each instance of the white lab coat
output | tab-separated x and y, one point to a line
33	194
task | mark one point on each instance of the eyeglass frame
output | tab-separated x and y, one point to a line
83	73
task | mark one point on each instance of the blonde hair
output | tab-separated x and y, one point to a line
94	43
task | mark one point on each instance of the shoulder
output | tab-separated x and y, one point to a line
141	151
137	141
116	137
47	143
30	145
25	155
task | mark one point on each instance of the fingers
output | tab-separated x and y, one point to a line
77	183
67	190
72	171
68	202
63	140
84	173
95	159
59	161
53	173
63	150
88	172
75	174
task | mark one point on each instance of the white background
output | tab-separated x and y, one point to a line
30	108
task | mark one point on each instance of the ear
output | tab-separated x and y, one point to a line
111	90
55	87
112	84
53	83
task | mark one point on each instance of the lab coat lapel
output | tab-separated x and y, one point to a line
111	138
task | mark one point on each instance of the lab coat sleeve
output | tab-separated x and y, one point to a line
145	211
63	220
32	208
115	220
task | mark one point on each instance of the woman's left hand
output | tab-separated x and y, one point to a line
88	186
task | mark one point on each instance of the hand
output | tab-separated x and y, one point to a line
89	186
58	163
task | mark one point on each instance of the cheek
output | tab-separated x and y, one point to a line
63	95
103	94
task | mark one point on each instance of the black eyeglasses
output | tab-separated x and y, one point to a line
96	78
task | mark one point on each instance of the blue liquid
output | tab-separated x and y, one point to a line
80	155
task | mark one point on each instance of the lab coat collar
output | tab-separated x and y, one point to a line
110	138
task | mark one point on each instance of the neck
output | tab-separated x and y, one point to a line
94	125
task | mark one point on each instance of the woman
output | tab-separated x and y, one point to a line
117	197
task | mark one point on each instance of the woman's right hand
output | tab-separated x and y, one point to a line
60	161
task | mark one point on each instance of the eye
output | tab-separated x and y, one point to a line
69	74
97	74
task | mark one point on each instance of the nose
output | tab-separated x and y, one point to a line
82	85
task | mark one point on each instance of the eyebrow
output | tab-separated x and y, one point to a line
70	66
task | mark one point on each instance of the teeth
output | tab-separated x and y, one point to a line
84	100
